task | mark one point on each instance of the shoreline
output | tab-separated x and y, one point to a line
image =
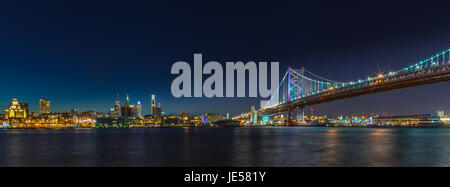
443	126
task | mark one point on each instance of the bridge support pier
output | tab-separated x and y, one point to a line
289	113
292	114
303	114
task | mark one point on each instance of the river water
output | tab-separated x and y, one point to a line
259	147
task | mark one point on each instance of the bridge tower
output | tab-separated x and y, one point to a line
296	87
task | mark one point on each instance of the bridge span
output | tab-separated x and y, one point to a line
300	88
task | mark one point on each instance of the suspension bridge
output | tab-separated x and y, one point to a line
300	88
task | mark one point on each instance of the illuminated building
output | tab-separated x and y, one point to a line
116	110
139	109
211	118
412	120
127	102
113	112
25	107
204	119
128	110
172	121
16	110
253	115
74	112
117	105
157	112
441	113
44	106
185	114
152	104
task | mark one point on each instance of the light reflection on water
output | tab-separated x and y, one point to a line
259	147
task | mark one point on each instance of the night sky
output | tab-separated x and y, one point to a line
80	54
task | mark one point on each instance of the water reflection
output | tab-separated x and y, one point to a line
274	146
381	148
332	155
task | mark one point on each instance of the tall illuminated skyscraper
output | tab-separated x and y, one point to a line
117	106
44	106
152	104
128	100
139	109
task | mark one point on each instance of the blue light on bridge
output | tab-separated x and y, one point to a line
265	118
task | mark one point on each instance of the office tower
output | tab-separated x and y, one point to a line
253	115
139	109
25	107
127	110
157	112
117	108
44	106
152	104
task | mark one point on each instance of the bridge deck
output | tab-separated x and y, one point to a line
403	79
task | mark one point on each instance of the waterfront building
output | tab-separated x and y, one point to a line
211	118
173	120
410	120
16	110
44	106
104	122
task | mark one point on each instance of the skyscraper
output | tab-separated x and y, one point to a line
117	107
127	110
139	109
128	100
44	106
152	104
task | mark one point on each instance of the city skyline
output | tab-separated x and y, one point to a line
84	58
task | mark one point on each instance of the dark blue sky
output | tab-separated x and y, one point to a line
82	53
